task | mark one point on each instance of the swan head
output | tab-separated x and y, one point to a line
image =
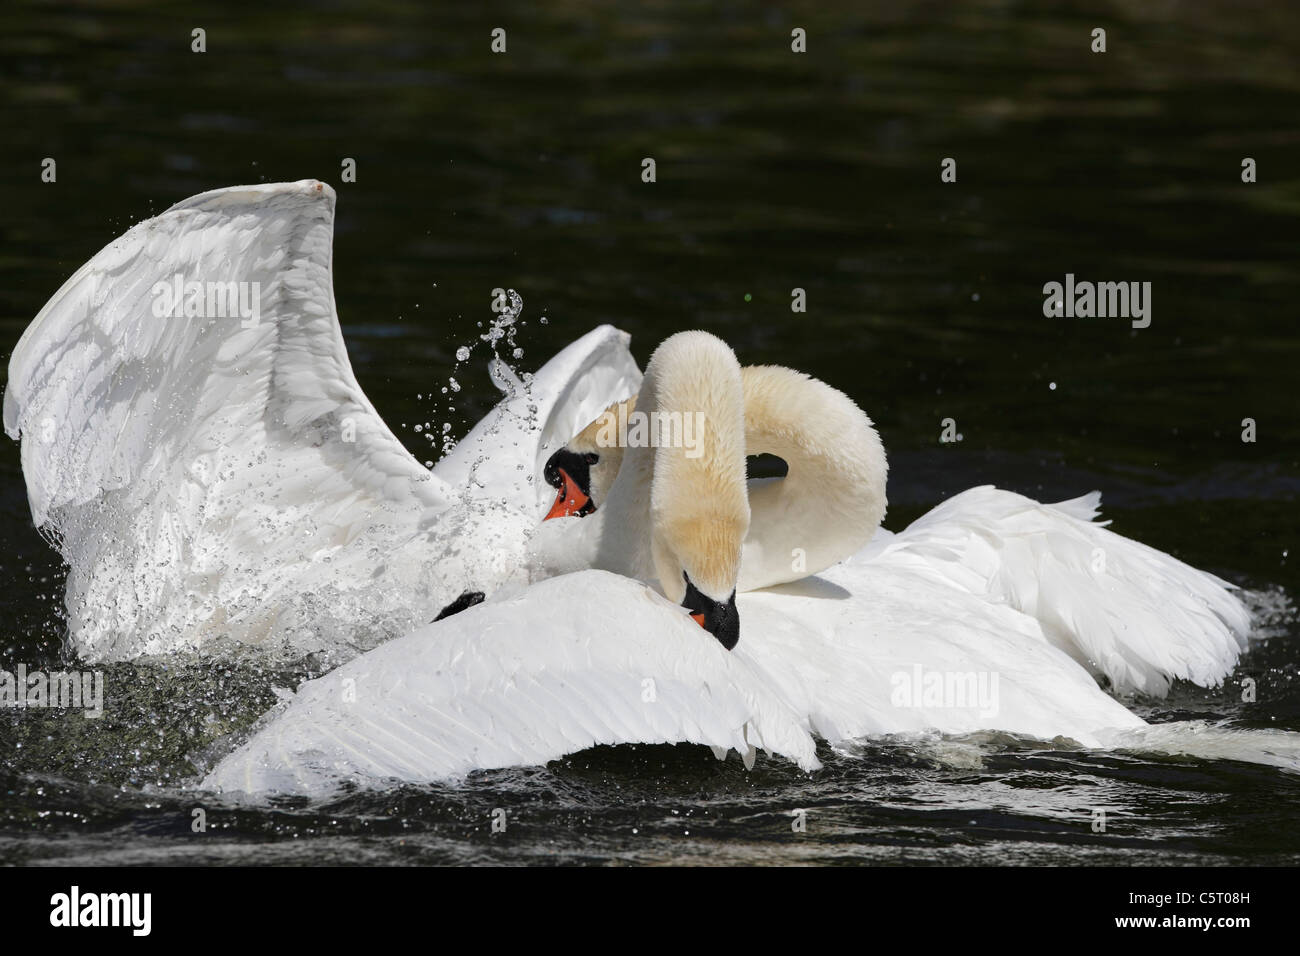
698	564
568	471
583	471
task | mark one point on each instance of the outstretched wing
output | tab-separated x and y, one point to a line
518	682
192	467
207	463
1124	610
108	394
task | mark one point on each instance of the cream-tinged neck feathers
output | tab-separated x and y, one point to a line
665	474
832	498
677	506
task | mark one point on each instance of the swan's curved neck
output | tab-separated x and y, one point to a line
681	485
832	498
827	507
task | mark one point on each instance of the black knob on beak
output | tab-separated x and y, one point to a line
570	473
719	618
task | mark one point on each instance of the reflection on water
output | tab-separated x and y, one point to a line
776	171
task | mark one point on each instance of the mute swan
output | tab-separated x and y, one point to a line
220	482
992	612
981	615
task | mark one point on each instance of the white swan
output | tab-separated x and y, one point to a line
215	482
990	613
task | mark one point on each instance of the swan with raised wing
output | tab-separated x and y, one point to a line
220	483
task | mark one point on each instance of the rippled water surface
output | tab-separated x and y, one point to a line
775	171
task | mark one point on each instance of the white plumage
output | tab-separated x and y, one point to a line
196	476
215	485
595	658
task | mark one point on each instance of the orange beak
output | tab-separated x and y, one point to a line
698	619
570	499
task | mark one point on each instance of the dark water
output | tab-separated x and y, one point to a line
775	171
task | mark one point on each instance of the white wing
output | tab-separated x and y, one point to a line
594	658
887	648
214	477
909	637
1126	611
126	391
579	660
